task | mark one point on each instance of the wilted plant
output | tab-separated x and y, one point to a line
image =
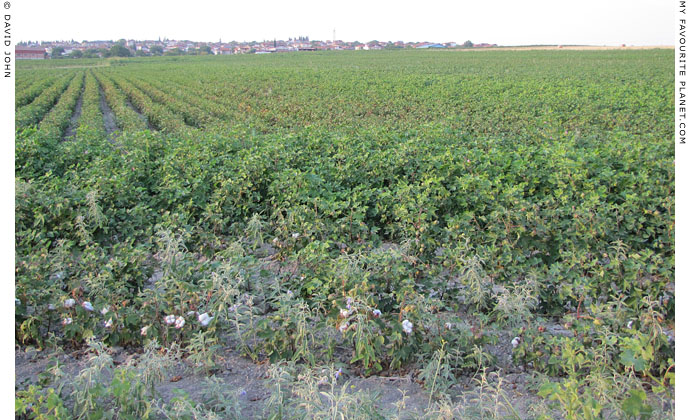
255	230
90	385
95	214
515	304
437	375
288	334
203	350
155	364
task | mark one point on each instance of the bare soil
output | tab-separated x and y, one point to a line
74	121
142	116
108	117
241	374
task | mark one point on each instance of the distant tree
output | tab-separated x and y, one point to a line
174	51
121	41
141	53
118	50
76	54
92	53
468	44
57	52
156	50
205	49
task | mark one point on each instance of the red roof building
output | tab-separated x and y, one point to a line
29	53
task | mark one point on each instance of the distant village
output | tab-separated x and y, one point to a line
134	48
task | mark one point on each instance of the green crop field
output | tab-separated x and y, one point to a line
495	226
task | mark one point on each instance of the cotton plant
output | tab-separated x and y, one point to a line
361	326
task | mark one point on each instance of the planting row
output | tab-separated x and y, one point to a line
157	114
127	119
33	113
91	119
56	121
31	91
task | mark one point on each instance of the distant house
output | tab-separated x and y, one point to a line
432	46
30	53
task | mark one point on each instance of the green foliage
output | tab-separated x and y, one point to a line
347	208
57	52
41	405
120	51
437	375
287	334
318	392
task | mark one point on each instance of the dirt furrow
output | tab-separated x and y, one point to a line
141	115
108	117
74	121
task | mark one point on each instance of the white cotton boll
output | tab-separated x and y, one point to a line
170	319
204	319
343	327
87	306
109	323
376	313
145	330
105	310
295	235
69	303
179	322
515	342
344	313
66	321
407	326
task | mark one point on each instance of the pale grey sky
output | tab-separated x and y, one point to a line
595	22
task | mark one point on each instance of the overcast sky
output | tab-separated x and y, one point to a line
591	22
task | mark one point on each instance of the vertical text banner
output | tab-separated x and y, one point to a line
7	207
681	235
